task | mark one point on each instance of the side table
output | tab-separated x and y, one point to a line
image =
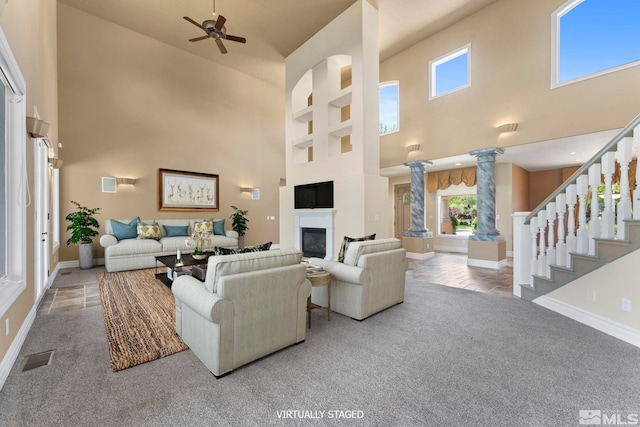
322	278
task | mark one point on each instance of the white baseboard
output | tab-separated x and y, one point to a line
487	264
608	326
14	349
458	249
415	255
75	263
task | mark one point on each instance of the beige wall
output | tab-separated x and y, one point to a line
130	105
34	47
510	82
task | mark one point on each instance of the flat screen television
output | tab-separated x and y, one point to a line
312	196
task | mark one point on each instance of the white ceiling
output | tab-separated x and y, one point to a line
275	28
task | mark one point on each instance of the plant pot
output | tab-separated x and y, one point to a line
240	242
85	255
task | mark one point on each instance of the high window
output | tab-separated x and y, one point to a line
593	37
389	108
14	191
450	72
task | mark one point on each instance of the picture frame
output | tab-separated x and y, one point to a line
188	191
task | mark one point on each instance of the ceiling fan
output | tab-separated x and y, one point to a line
215	30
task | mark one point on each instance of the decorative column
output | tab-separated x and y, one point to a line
417	240
487	247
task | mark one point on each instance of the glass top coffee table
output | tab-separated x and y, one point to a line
170	261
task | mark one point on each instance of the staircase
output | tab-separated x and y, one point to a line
554	245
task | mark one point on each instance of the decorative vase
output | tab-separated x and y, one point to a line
199	256
240	242
85	255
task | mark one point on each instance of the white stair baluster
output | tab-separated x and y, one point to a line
551	239
561	246
623	155
572	242
542	256
594	222
533	229
583	236
608	214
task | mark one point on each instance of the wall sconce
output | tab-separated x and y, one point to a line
255	192
37	128
507	127
55	163
126	181
415	154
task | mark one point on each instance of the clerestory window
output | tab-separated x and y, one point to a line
450	72
593	37
389	108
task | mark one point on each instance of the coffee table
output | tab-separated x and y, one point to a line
170	261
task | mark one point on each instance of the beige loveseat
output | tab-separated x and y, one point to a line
249	306
370	279
135	253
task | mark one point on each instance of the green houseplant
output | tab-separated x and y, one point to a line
239	222
83	227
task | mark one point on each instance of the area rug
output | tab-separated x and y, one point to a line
139	317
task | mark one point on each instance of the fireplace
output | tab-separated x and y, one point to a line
314	242
321	220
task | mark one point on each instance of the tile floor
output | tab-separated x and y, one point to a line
75	289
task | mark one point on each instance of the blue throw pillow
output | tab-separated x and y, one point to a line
218	227
125	231
176	230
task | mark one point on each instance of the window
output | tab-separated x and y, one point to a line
593	37
389	108
14	197
457	211
450	72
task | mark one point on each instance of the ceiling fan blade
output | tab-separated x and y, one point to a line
197	39
194	23
235	38
221	46
220	20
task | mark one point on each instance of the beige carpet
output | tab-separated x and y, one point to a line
139	317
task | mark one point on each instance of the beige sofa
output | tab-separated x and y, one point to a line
134	253
249	306
371	278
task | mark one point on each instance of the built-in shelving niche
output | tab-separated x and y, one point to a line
339	126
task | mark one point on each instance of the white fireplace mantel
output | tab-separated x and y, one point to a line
315	218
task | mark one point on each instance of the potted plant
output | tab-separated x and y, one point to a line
83	228
239	222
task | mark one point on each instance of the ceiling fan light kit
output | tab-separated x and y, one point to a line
215	30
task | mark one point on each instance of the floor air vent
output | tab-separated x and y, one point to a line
37	360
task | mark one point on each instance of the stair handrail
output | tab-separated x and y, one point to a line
610	146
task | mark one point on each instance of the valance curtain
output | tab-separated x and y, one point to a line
442	180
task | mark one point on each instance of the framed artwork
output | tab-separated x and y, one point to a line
188	191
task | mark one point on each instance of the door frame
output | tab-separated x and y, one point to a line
42	254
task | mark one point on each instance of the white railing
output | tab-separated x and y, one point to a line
547	235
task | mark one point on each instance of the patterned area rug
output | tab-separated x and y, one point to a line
139	316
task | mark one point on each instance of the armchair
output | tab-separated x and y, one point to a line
249	306
371	278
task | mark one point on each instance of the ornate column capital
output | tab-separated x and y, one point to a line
487	152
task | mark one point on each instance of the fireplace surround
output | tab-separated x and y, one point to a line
316	219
